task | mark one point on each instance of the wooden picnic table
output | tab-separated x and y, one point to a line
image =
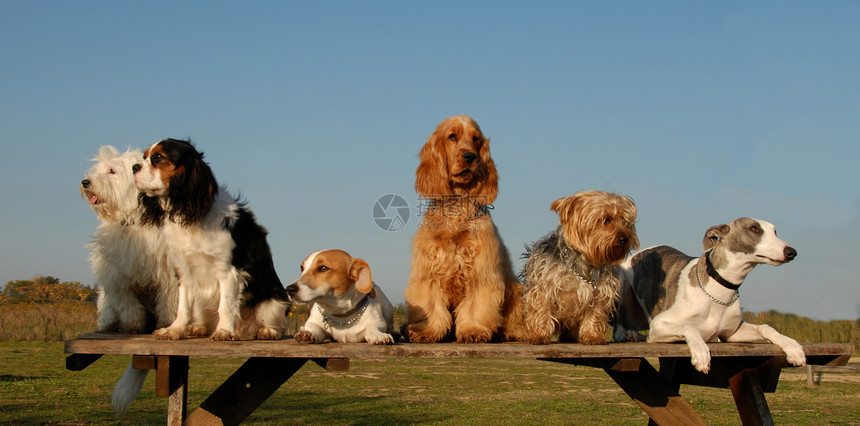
748	369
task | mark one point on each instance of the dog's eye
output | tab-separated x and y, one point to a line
322	268
112	171
452	137
755	229
607	220
302	268
156	158
475	139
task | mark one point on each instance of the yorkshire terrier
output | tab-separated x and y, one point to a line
571	277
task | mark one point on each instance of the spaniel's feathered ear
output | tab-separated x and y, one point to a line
192	190
152	213
431	177
488	185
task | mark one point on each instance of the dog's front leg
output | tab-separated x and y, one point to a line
429	318
176	330
479	314
228	305
750	332
700	355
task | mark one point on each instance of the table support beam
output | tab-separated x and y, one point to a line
244	391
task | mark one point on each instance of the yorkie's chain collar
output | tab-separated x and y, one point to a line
349	318
730	302
593	281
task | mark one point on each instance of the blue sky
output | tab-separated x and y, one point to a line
701	111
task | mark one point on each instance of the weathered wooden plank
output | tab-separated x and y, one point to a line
112	343
244	391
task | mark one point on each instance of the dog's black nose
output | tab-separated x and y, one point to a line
790	254
85	183
292	289
136	168
469	157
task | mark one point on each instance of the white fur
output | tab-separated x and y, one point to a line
371	328
129	260
696	319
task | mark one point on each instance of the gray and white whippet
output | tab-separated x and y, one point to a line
679	297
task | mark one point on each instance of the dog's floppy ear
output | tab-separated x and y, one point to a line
564	207
359	271
714	235
431	177
488	188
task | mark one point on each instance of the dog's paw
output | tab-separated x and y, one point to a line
267	333
305	336
700	356
420	335
380	339
591	339
474	336
196	330
539	339
222	335
168	334
794	354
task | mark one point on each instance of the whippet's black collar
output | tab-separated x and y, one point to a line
716	276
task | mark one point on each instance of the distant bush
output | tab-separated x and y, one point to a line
45	290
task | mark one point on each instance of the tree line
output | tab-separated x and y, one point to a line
46	289
41	290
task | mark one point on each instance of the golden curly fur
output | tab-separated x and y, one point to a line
461	279
571	277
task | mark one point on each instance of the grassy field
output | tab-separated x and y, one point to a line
36	388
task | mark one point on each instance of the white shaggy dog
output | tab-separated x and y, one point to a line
136	285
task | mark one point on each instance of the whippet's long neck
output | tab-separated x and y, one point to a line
733	267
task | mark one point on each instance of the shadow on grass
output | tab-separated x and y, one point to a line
325	408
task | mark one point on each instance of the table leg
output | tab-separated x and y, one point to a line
245	390
647	387
749	398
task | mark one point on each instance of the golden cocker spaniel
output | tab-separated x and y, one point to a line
461	280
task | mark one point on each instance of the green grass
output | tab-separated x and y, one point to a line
36	388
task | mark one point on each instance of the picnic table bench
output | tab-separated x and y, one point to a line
748	369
